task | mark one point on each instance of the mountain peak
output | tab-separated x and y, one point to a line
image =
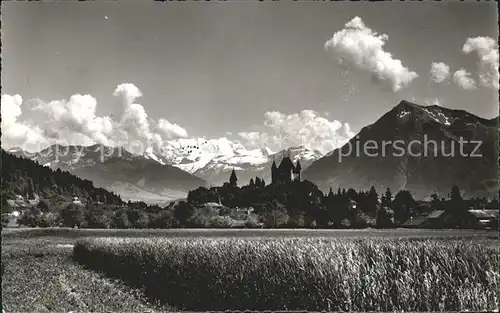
15	149
406	103
431	170
406	106
432	112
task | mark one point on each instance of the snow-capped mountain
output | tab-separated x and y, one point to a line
169	172
132	176
214	159
217	171
194	154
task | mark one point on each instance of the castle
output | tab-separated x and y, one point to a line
283	174
286	172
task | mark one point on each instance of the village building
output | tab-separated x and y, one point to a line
76	200
451	219
241	213
352	204
487	218
212	208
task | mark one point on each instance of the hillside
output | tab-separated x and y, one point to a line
25	177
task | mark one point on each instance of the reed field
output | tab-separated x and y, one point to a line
319	273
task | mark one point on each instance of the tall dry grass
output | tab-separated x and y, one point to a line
302	274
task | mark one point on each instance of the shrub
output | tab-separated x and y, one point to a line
275	218
138	218
164	219
120	220
302	273
363	220
219	222
345	223
49	220
297	221
183	211
385	218
97	216
252	221
30	217
196	220
72	215
6	208
43	205
5	219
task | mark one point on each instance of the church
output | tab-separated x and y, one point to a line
286	172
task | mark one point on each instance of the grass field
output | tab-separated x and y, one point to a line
40	276
218	270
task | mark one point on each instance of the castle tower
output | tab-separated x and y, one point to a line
233	179
274	173
286	171
298	168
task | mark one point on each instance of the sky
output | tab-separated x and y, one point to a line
108	72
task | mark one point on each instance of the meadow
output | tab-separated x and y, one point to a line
40	276
62	270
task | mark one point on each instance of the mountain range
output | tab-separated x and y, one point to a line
214	159
159	175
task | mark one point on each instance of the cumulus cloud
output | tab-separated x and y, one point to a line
359	47
306	128
486	49
15	132
11	109
253	138
74	122
75	116
170	130
463	79
128	93
434	101
134	123
439	72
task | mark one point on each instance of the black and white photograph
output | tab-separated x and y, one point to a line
251	156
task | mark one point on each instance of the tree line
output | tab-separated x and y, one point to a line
296	204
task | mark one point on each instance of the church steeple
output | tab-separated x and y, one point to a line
233	179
